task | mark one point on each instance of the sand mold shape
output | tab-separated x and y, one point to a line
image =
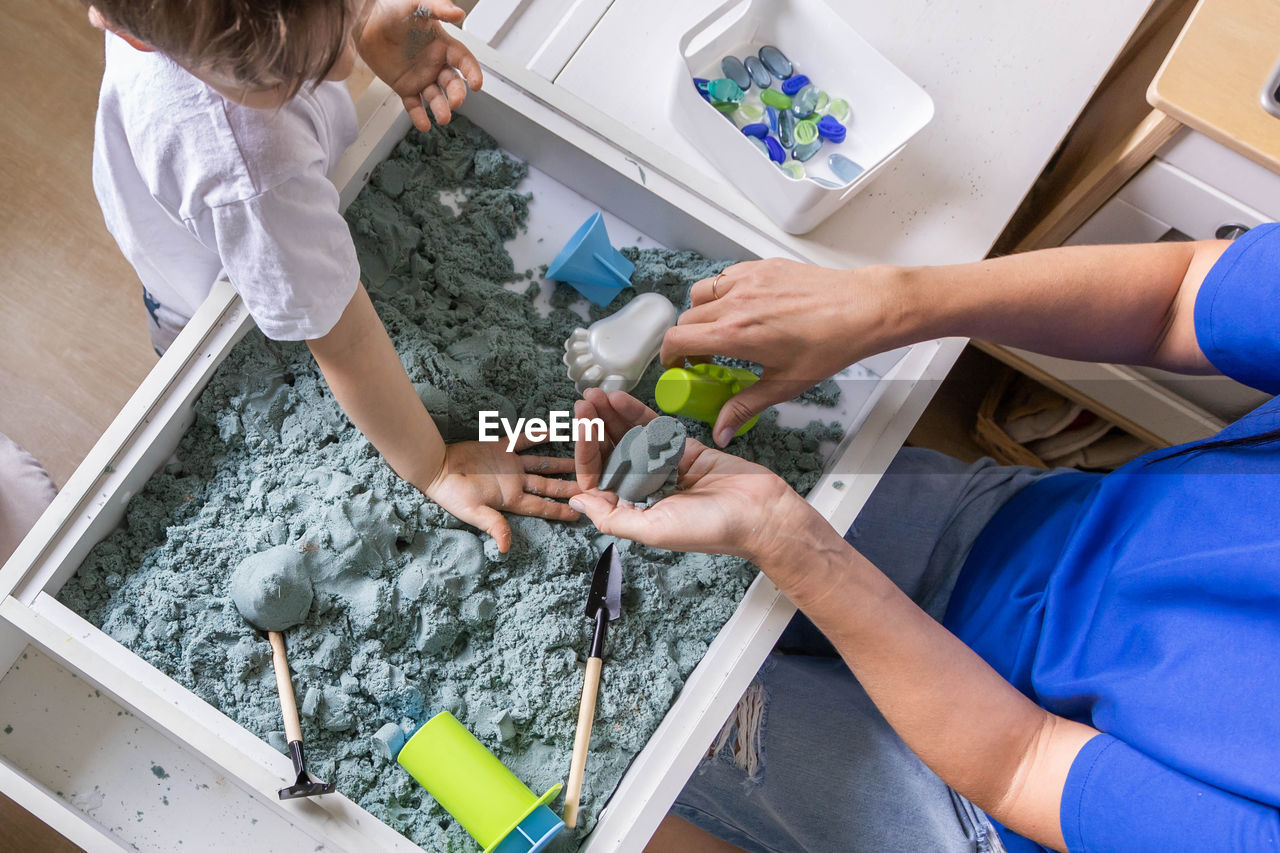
414	614
613	353
645	459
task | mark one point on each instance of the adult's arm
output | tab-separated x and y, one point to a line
970	726
1127	304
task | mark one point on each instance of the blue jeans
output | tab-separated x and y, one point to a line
822	771
163	323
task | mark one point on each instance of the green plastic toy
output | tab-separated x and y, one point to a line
496	808
701	390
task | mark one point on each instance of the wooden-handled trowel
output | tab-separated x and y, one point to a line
604	603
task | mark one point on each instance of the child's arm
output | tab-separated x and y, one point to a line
404	44
471	480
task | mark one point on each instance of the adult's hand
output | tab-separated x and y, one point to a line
404	43
724	504
801	323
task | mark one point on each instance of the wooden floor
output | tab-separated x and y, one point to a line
73	344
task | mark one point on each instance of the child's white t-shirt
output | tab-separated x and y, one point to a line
194	187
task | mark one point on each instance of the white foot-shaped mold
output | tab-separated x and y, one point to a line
613	352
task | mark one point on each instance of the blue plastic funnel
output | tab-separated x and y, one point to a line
591	264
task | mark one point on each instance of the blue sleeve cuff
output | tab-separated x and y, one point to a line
1117	798
1237	312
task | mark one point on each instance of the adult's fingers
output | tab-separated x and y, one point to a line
709	289
702	339
611	517
615	425
547	464
742	407
588	452
540	507
631	410
546	487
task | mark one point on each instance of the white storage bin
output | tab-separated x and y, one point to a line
888	108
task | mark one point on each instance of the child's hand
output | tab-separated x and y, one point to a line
478	479
404	44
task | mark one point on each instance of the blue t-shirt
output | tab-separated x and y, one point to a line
1146	603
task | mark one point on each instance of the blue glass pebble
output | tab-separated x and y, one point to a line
759	143
823	182
725	90
831	129
804	153
776	152
787	129
732	67
776	61
758	130
844	168
701	84
759	74
803	103
771	117
794	84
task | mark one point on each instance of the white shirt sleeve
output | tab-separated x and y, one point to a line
289	254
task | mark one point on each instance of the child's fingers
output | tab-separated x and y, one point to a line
466	63
443	10
549	488
415	106
436	100
540	507
455	88
489	520
547	464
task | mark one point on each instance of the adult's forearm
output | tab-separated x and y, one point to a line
969	725
1130	304
365	374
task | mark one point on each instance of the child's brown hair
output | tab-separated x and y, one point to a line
258	43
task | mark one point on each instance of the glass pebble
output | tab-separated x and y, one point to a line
732	67
801	104
844	168
757	130
793	169
786	129
771	115
806	131
774	98
759	143
725	107
759	74
776	152
723	89
752	110
700	83
823	100
838	109
776	61
806	151
794	84
829	128
823	182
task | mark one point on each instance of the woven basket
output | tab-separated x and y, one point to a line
988	434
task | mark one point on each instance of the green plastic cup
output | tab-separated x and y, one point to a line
474	786
701	390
